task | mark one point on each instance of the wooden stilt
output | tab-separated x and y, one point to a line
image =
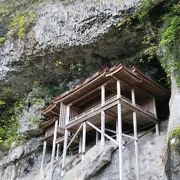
103	95
97	137
102	128
84	140
155	112
43	156
80	143
64	150
136	144
135	136
65	138
57	152
118	89
120	141
117	130
157	129
54	145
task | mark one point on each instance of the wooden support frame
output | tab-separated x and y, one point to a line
80	143
57	152
97	129
65	138
84	140
97	137
102	128
135	136
74	136
119	129
43	156
54	145
155	112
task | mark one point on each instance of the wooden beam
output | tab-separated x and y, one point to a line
80	143
118	89
135	135
65	138
97	129
102	128
57	152
103	99
120	141
84	140
43	156
74	136
103	96
97	137
54	146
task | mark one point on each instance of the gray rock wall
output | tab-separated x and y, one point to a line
152	151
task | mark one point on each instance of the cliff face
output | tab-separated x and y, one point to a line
47	46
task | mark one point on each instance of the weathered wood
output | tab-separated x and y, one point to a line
57	152
120	141
103	99
97	137
65	138
110	104
135	135
97	129
102	128
43	156
84	140
118	89
54	145
80	143
74	136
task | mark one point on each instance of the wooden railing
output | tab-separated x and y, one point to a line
108	101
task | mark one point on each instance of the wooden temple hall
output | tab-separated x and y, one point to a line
111	105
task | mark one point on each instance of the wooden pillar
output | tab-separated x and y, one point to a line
117	130
57	151
97	137
84	140
102	115
60	114
102	128
118	89
102	95
54	145
120	141
135	136
65	138
155	113
80	143
119	124
43	156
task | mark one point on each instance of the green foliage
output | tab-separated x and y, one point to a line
176	133
144	9
8	123
20	23
170	41
2	40
150	49
75	69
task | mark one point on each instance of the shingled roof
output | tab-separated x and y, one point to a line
132	76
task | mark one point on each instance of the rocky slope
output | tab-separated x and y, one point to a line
46	46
